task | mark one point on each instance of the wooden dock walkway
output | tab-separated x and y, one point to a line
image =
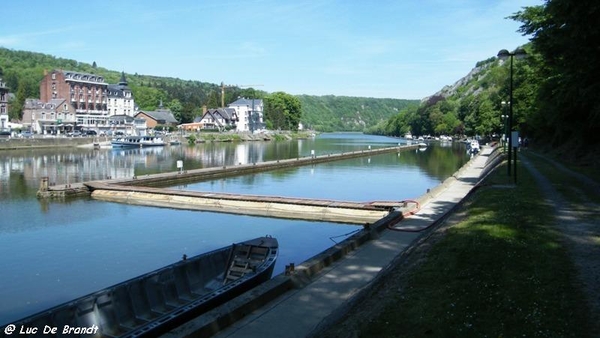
145	190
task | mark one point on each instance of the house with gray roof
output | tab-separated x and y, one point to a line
162	117
55	116
221	119
249	113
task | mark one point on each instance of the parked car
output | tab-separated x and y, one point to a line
91	133
75	133
26	134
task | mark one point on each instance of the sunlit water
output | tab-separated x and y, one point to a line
52	252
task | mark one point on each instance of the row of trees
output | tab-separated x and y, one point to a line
555	91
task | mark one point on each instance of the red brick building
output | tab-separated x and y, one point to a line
86	93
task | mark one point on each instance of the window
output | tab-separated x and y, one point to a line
53	76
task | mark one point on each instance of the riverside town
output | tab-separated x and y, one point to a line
249	169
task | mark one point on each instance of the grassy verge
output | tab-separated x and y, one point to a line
502	272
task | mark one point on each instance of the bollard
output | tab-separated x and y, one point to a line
44	184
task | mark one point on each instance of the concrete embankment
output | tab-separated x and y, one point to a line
42	142
266	206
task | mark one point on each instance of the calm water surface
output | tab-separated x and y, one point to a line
54	251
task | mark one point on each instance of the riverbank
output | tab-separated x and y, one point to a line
516	260
38	142
318	289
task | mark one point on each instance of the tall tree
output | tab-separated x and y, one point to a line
176	107
282	111
15	109
566	35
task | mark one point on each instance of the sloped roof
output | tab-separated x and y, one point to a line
246	102
160	115
82	77
120	119
53	104
226	114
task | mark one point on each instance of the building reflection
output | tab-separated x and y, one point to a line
68	166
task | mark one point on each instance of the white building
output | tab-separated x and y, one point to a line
3	104
249	113
120	99
221	119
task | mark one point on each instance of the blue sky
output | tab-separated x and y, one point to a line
406	49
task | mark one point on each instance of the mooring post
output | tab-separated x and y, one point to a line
44	184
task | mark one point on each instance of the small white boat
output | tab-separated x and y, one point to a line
137	141
473	147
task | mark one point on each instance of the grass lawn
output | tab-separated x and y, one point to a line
501	272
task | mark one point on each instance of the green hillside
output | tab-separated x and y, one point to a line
337	113
23	71
555	99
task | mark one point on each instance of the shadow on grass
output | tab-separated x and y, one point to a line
503	271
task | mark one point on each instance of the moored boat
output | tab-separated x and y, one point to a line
473	147
137	141
156	302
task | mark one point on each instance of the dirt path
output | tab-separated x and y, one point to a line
581	233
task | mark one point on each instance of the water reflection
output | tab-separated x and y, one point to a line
52	251
22	170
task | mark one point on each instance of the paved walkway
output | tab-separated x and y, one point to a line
298	312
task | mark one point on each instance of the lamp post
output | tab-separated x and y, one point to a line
504	117
503	55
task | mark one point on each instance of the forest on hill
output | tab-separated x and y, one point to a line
344	113
555	99
23	70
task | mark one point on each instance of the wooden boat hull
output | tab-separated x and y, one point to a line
158	301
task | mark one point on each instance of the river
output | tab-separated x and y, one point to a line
54	251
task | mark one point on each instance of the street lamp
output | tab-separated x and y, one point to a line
503	55
504	117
